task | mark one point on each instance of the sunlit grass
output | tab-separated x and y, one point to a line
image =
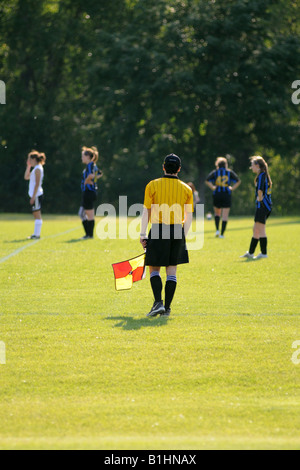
86	369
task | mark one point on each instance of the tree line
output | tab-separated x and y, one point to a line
143	78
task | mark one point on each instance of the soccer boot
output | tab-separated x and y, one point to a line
166	313
247	255
260	256
157	309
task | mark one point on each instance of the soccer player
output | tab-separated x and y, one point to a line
89	156
222	182
263	187
168	205
34	173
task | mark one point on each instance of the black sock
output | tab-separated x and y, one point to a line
253	245
170	288
85	226
217	221
263	245
91	225
224	223
156	285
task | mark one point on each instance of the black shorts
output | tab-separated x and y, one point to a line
261	214
88	199
37	206
166	246
221	200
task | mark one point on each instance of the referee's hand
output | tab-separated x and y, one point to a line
143	242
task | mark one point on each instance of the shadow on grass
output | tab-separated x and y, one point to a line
130	323
21	240
73	240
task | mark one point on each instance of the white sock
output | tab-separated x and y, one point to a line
38	227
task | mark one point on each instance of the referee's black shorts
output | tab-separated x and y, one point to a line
166	246
261	214
221	200
88	199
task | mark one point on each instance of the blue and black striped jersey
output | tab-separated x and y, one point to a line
91	168
222	179
262	184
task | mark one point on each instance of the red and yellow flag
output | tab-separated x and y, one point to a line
129	271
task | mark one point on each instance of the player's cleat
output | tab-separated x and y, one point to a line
221	236
33	237
86	237
166	313
247	255
260	256
217	233
157	309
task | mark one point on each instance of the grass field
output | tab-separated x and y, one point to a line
85	369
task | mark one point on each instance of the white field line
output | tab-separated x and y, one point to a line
16	252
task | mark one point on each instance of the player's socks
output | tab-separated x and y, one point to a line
253	245
37	227
156	284
85	226
263	245
170	288
217	221
224	223
90	228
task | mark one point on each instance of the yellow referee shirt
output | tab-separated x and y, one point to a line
169	199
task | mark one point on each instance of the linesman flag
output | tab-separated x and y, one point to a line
129	271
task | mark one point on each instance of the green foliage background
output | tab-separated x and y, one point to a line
144	78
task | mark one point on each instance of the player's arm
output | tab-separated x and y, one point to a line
260	195
27	171
210	185
236	185
98	175
89	179
36	187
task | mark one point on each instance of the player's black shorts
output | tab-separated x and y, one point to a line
221	200
261	214
37	206
88	199
166	246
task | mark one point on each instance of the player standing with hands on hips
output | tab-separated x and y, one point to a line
263	187
168	205
34	173
89	156
222	182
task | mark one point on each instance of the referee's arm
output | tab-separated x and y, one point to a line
144	225
187	222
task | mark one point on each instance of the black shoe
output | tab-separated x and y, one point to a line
157	309
86	237
33	237
166	313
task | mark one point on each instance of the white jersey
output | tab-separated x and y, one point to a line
32	181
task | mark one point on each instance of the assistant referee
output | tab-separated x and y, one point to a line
168	205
